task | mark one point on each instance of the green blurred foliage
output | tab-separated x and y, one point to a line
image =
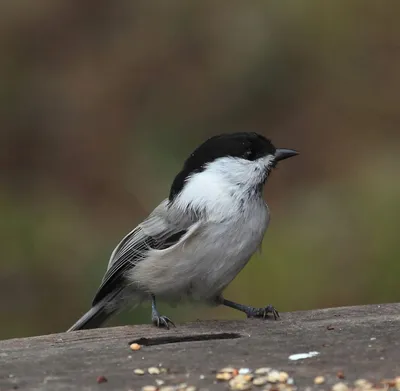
101	103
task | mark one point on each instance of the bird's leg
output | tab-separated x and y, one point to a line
252	312
156	318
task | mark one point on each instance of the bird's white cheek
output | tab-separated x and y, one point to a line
209	193
223	186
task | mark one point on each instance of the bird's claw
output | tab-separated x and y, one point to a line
162	321
263	312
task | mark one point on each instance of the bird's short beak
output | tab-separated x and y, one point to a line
282	153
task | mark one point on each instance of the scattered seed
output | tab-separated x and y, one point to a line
135	346
260	381
160	382
302	356
340	375
273	376
319	380
244	371
139	371
149	388
330	327
389	382
239	383
283	377
167	388
262	371
241	386
153	371
101	379
290	381
244	378
362	383
228	370
202	377
224	376
340	387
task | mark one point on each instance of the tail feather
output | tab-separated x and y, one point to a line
94	318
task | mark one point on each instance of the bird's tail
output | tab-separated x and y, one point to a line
94	318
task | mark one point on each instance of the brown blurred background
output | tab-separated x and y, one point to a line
100	103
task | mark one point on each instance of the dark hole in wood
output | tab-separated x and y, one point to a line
187	338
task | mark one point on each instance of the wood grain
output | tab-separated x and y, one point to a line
363	342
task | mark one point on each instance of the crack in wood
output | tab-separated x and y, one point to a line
188	338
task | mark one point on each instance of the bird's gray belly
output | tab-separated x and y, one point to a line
205	264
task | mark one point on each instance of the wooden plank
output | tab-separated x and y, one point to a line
363	342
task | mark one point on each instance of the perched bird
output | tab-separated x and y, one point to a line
198	239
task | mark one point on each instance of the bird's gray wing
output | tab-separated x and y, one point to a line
162	229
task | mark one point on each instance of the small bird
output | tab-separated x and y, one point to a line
197	240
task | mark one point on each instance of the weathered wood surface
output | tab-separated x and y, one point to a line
363	342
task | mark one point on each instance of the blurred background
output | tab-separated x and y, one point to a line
101	102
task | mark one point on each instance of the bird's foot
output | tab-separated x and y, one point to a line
162	321
251	312
262	312
157	319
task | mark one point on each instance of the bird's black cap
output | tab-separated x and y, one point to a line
249	146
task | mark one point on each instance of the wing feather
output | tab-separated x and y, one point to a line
156	232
